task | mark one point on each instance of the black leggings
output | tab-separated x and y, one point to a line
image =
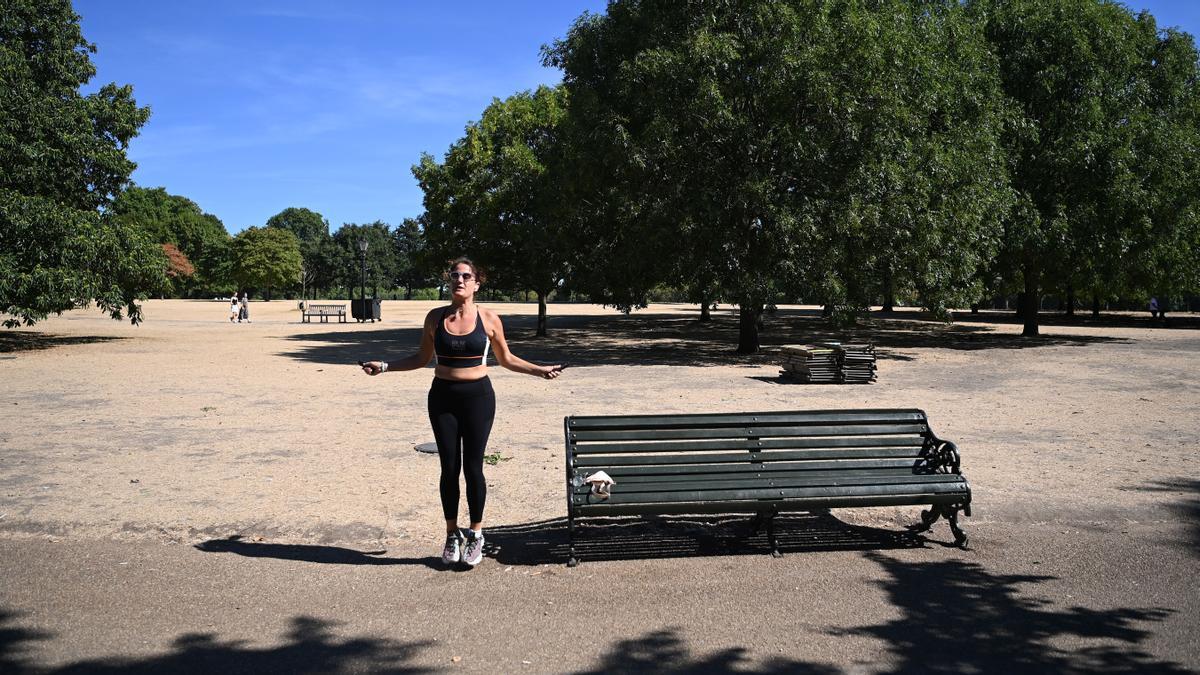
461	414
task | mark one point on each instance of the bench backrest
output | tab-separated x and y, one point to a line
812	440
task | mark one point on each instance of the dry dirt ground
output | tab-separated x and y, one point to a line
194	432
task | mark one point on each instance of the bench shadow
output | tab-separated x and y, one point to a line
653	537
25	341
666	651
957	617
1186	509
310	646
326	555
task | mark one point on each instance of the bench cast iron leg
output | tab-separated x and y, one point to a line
571	559
928	518
771	538
960	537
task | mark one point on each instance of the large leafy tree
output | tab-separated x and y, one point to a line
1103	155
312	230
62	160
498	195
380	256
411	271
265	258
172	219
762	147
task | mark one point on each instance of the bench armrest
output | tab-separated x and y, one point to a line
943	455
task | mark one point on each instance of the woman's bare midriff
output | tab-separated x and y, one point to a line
460	374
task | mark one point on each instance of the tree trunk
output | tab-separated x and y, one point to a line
705	314
1029	304
408	291
1070	300
268	293
889	293
541	324
748	314
1095	305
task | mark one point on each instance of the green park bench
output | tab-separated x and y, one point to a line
323	311
763	464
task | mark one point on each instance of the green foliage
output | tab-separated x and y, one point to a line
320	257
410	254
499	195
1103	153
265	258
62	159
176	220
758	148
380	256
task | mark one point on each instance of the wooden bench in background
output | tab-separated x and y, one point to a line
763	464
324	311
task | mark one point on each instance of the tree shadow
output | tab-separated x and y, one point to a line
956	617
26	341
1186	509
348	348
679	340
657	537
663	651
1080	318
327	555
14	642
311	647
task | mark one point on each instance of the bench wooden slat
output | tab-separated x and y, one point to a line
742	432
913	441
763	506
771	480
778	493
650	473
583	423
741	457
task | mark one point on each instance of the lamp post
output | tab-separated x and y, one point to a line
362	256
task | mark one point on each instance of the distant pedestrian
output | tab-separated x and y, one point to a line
235	308
1153	308
245	302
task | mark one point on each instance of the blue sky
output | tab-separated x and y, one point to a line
258	106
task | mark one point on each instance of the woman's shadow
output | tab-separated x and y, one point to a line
329	555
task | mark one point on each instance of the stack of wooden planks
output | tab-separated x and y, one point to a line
829	363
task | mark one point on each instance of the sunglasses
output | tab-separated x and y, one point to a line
465	276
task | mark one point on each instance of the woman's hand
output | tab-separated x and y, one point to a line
550	372
372	367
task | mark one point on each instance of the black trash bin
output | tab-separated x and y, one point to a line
366	310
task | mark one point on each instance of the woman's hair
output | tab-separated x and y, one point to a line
463	260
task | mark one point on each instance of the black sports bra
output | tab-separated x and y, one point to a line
461	351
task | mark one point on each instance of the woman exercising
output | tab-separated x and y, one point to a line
462	404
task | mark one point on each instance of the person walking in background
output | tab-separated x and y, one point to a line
462	404
235	308
245	307
1153	308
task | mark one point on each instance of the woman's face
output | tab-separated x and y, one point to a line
463	283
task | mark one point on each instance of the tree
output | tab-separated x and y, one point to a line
1103	153
498	195
380	256
409	245
752	149
62	159
265	258
312	229
179	221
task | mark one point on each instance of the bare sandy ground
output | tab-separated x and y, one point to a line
187	427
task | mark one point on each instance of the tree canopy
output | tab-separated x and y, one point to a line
498	196
62	161
265	257
171	219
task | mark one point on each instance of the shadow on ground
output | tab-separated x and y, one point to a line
1187	509
24	341
634	538
675	340
310	647
329	555
956	617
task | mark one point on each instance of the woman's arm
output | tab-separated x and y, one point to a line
413	361
506	358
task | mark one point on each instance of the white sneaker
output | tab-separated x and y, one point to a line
473	555
452	551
